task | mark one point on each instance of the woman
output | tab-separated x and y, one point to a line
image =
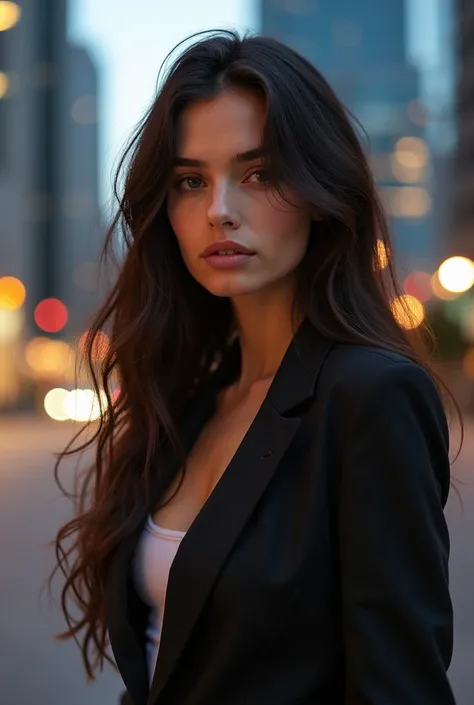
276	464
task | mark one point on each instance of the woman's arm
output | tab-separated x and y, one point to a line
394	542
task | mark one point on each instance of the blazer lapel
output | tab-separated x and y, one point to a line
126	632
127	648
228	508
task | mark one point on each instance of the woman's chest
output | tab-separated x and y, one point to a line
210	455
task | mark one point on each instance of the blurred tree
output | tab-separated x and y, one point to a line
448	330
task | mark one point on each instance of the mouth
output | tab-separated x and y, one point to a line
227	255
226	249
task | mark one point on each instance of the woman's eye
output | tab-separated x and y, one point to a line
261	176
189	183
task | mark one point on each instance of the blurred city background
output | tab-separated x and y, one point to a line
75	78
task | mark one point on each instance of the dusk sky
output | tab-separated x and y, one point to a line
129	42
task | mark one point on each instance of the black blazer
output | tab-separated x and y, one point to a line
317	571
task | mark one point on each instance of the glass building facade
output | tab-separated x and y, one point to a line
361	49
463	196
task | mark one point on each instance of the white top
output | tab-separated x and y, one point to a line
156	551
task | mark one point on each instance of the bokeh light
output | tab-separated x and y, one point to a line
10	13
417	112
456	274
49	358
409	161
54	404
412	152
100	346
80	405
418	284
11	324
408	311
381	260
4	84
84	110
83	404
407	174
439	291
51	315
406	201
12	293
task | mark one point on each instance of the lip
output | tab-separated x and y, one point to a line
212	250
228	261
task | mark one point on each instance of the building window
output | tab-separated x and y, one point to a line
411	202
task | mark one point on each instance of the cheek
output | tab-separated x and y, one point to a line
181	222
287	233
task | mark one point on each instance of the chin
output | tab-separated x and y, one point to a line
232	289
229	292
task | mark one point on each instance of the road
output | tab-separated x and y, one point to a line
36	669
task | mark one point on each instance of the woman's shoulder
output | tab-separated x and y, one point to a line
368	388
367	357
358	369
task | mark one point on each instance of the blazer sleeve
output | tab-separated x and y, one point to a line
394	542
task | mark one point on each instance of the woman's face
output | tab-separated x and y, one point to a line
219	194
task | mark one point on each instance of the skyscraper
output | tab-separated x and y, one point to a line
48	160
49	215
463	196
360	47
440	89
80	224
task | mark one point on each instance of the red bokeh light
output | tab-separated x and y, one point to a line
51	315
418	284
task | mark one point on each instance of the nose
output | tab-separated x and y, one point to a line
222	212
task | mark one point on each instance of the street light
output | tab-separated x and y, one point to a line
456	274
10	13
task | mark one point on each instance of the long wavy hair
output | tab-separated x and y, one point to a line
166	332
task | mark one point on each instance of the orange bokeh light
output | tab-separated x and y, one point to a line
408	311
12	293
51	315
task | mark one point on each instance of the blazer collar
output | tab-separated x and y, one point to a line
245	478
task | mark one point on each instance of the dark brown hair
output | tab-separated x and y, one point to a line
166	331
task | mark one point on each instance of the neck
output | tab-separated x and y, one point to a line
265	331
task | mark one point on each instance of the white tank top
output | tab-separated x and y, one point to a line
156	551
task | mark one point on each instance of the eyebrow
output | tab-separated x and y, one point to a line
239	158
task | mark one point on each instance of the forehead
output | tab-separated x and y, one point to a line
221	127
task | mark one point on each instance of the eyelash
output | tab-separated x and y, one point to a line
179	182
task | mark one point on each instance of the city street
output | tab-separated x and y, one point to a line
33	667
36	669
